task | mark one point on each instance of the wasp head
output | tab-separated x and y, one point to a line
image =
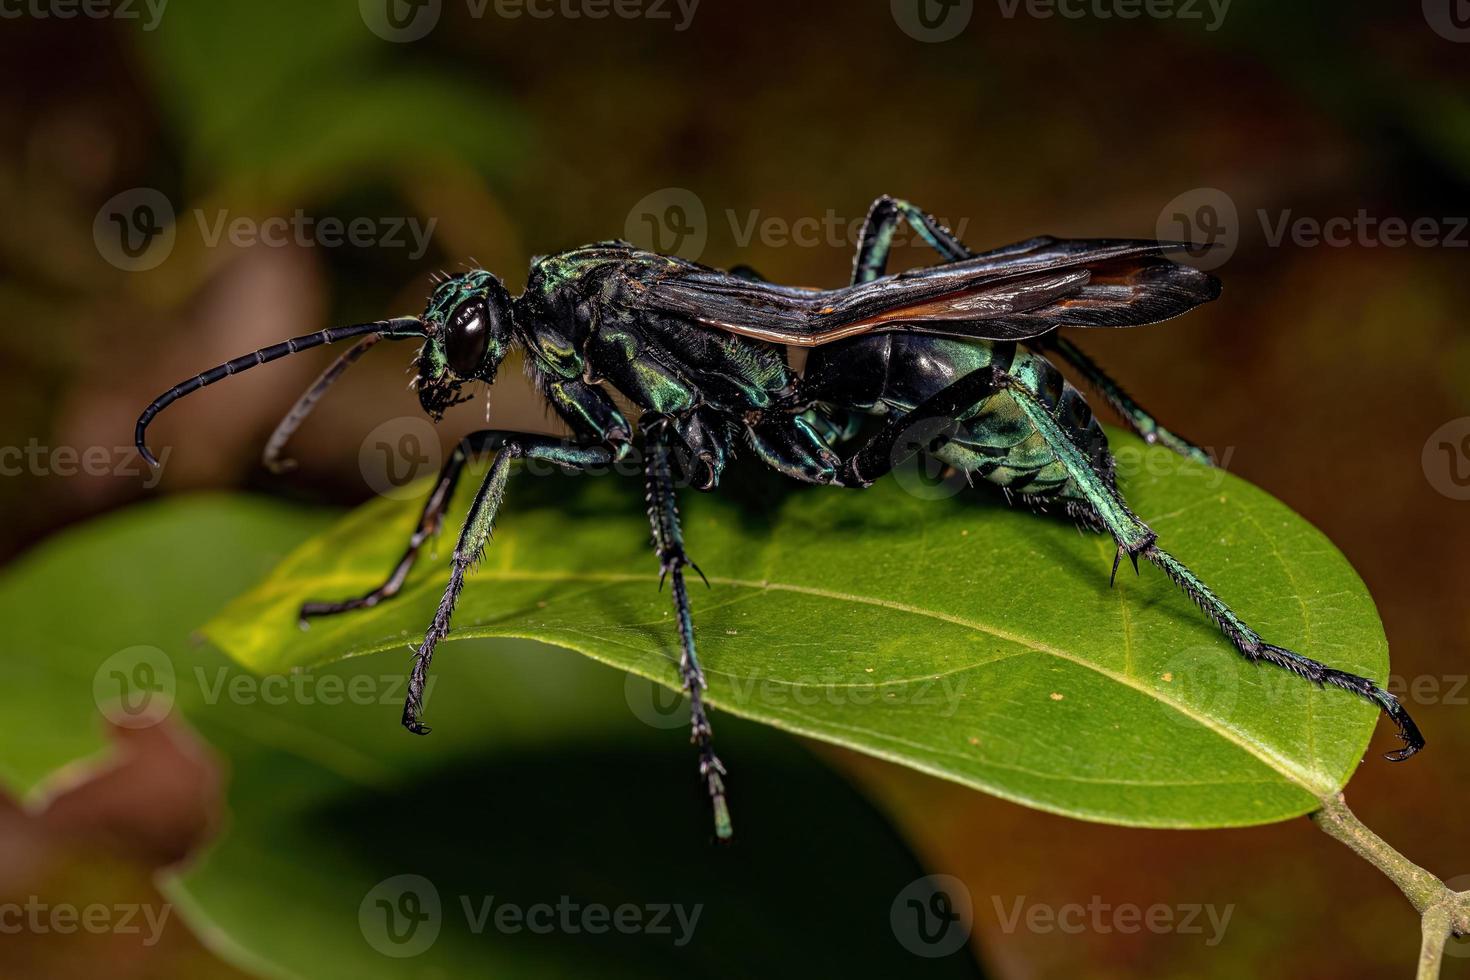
468	321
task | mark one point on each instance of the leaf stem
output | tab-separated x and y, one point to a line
1443	913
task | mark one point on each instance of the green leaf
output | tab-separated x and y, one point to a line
957	636
544	785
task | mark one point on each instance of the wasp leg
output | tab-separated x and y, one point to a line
923	429
304	406
871	261
428	525
1136	539
588	411
876	239
1137	418
507	446
668	544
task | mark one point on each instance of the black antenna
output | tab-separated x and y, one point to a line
399	328
276	445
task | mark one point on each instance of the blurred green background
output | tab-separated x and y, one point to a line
1336	374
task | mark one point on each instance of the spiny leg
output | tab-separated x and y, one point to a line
874	245
668	544
930	423
508	446
876	239
1136	539
429	521
1138	419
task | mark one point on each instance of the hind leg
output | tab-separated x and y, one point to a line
1104	508
1135	539
871	261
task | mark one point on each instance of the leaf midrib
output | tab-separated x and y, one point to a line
1304	779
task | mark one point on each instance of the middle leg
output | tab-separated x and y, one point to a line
668	545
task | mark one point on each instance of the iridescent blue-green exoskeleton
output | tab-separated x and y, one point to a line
950	360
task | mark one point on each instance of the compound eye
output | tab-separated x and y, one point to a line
468	338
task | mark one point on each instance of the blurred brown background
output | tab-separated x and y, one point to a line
1335	373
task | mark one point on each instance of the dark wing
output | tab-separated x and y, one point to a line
1014	293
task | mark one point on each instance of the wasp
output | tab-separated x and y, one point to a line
953	360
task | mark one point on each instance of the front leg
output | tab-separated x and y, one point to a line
668	545
508	446
429	521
